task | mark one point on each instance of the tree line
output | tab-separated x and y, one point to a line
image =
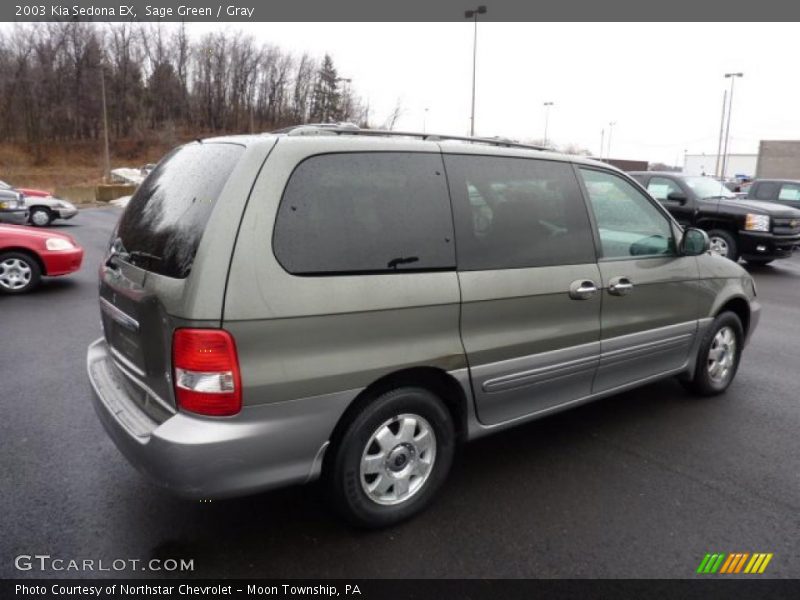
52	76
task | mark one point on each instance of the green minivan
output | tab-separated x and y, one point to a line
352	304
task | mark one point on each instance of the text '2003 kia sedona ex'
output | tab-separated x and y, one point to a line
351	304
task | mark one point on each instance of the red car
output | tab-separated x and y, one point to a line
27	254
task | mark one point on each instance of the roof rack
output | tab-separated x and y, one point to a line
352	129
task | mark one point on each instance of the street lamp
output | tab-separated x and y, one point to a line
732	77
425	121
610	131
473	14
547	106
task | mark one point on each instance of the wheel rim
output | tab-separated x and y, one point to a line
40	217
722	355
398	459
718	246
15	274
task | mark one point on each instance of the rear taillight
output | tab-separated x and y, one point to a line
206	371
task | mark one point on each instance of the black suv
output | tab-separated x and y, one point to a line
759	232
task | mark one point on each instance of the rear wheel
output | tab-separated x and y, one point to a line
723	243
19	273
391	458
40	216
718	357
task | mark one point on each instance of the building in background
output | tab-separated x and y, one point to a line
778	159
739	165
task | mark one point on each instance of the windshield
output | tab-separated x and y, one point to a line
706	187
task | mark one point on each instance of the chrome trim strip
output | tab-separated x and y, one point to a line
118	357
539	375
142	384
121	317
641	350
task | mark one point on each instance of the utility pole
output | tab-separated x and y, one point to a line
107	175
721	129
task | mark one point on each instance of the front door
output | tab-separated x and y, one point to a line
530	316
650	295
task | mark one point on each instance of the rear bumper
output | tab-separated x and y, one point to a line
263	447
62	262
766	245
755	317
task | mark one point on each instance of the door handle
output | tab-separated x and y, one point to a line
619	286
582	289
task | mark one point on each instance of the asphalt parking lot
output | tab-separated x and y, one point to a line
638	485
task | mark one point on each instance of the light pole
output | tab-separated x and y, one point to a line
602	142
473	14
425	121
610	131
732	77
547	106
721	130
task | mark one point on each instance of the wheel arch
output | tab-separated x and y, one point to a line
739	306
435	380
28	252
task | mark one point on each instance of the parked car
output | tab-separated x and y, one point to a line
350	304
43	208
758	232
28	254
12	207
780	191
25	191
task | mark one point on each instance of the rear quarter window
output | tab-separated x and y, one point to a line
166	217
384	212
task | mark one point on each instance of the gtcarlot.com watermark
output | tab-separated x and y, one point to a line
47	563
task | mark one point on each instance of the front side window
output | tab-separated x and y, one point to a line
628	223
660	188
382	212
790	191
517	212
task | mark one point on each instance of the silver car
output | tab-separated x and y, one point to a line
353	304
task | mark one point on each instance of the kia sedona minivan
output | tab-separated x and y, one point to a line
353	304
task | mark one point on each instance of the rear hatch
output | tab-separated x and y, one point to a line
149	266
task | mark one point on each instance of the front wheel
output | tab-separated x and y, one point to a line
19	273
391	458
40	216
718	357
723	243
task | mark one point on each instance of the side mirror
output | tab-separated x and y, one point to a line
679	197
694	242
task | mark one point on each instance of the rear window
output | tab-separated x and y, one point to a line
365	213
161	228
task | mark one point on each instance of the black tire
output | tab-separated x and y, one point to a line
758	262
7	283
703	383
342	470
729	240
40	216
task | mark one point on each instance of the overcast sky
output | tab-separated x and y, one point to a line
662	83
